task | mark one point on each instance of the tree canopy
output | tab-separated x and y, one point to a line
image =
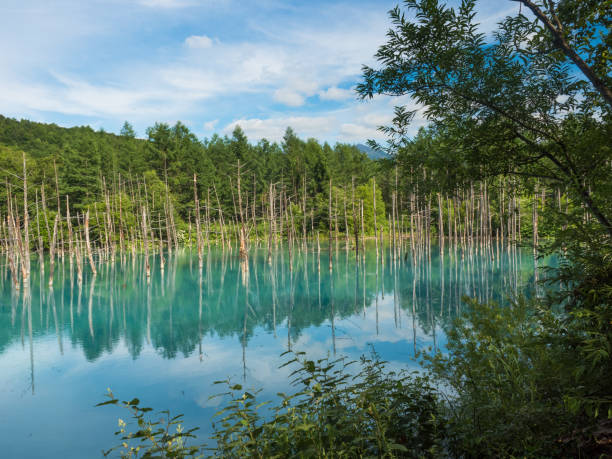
531	101
84	158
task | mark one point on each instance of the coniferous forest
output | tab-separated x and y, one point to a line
516	158
171	182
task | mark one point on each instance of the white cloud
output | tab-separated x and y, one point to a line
274	128
490	14
203	80
228	69
198	41
377	119
307	87
288	97
355	123
295	91
351	131
166	3
210	125
336	93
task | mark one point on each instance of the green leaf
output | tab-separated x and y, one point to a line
108	402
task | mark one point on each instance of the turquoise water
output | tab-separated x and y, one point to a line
167	340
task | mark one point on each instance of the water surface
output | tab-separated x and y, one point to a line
167	340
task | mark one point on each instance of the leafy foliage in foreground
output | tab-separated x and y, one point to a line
334	413
164	437
375	413
506	369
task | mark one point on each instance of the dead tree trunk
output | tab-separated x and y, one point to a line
375	227
330	226
243	248
88	245
52	251
26	225
197	216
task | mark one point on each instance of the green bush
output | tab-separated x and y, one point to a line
507	379
162	438
373	413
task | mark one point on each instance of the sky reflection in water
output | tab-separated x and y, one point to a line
167	341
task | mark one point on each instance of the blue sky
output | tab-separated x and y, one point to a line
211	64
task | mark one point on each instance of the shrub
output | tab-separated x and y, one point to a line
373	413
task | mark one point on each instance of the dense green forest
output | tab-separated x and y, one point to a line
172	155
323	187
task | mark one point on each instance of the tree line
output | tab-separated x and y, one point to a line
88	168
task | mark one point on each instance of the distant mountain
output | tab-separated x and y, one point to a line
372	154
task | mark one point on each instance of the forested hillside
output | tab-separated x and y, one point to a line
85	159
117	174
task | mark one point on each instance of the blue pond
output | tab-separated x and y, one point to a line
167	340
